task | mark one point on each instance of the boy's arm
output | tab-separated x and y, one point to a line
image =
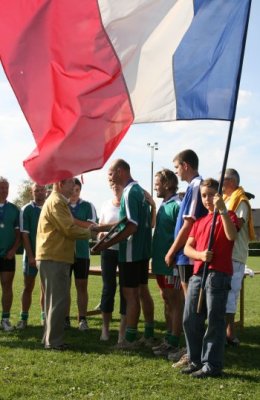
180	241
228	225
191	252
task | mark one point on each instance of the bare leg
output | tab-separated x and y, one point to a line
7	278
122	328
132	306
82	296
29	282
105	327
147	303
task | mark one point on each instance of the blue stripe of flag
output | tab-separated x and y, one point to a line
207	62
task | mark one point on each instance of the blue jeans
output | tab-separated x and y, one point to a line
109	263
205	345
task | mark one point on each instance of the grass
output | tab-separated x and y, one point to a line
94	370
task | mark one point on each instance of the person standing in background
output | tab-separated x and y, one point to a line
10	239
109	214
29	217
236	200
82	211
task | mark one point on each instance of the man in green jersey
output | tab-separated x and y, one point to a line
134	238
29	217
9	243
168	280
84	214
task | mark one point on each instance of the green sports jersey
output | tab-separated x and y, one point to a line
136	209
29	217
164	236
84	211
9	222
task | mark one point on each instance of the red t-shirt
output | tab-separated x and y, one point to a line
222	247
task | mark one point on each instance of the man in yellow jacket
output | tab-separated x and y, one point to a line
237	201
55	244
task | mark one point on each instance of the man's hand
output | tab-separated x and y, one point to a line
32	262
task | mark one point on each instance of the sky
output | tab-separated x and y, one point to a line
206	138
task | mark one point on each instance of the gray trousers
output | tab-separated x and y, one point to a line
55	279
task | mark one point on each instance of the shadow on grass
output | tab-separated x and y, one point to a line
244	357
79	342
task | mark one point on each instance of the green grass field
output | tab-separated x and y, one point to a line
94	370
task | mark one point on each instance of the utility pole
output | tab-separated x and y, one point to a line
153	147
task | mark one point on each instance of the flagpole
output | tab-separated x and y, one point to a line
224	166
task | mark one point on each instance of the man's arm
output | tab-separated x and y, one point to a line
11	252
28	249
83	224
129	230
180	241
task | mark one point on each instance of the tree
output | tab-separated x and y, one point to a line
24	194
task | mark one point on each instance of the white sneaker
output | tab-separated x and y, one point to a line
183	362
22	324
6	325
83	325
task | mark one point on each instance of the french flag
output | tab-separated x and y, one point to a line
83	71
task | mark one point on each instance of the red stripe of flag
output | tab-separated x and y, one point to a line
68	82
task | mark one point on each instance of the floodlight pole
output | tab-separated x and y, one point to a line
152	147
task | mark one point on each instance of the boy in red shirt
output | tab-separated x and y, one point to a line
206	345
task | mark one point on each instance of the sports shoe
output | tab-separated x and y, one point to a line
158	346
164	350
83	325
177	354
233	342
184	360
6	325
126	345
61	347
148	342
202	374
21	325
191	368
67	323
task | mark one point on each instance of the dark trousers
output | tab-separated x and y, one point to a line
109	264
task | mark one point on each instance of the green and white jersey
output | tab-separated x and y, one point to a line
84	211
9	222
136	209
29	217
164	235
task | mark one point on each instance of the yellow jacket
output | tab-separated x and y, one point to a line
56	233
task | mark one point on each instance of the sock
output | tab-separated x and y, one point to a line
5	315
24	315
174	340
148	330
131	334
167	336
